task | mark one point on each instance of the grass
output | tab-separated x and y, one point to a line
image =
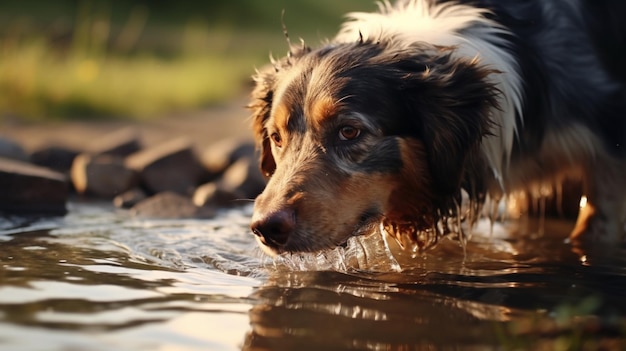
98	58
37	84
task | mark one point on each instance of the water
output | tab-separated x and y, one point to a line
100	280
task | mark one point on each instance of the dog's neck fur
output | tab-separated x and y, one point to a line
474	36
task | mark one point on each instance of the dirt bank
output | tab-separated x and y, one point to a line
202	127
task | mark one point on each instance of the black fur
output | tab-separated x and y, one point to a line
570	112
571	56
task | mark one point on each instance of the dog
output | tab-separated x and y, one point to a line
410	110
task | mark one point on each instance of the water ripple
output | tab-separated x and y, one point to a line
99	279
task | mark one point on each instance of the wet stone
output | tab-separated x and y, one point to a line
244	177
101	175
214	194
129	198
122	142
12	150
219	156
170	166
54	157
170	205
27	188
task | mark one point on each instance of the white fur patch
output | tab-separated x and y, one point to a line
473	35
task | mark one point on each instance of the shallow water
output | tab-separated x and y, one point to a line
100	280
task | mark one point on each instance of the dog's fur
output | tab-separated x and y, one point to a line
405	109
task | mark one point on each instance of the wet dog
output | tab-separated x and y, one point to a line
407	109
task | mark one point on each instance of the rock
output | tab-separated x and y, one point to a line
54	157
27	188
12	150
213	194
122	142
240	184
102	175
219	156
243	177
129	198
170	205
171	166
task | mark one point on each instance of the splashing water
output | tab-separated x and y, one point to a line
456	224
98	279
365	252
372	252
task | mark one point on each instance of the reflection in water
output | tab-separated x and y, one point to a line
332	311
98	280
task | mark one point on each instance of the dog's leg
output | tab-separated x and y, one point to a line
603	217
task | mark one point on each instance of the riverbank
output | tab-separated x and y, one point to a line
178	166
202	127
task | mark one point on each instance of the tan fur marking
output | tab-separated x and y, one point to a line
281	116
322	109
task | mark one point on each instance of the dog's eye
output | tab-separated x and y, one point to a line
278	141
349	133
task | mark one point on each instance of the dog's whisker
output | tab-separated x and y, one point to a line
243	200
345	98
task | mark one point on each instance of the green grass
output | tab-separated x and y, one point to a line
37	84
134	59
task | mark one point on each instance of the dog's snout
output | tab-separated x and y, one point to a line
274	228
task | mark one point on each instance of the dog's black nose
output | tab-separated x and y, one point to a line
274	229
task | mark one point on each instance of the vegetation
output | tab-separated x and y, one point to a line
573	325
83	59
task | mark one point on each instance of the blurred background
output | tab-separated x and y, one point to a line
140	59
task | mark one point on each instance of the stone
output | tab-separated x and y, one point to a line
12	150
171	166
55	157
129	198
170	205
244	177
122	142
101	175
214	194
27	188
219	156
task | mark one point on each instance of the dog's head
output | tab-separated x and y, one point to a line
355	134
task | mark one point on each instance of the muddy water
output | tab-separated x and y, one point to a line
99	280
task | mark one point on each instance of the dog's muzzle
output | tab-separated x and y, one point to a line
274	228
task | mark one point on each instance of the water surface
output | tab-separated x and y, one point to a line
98	279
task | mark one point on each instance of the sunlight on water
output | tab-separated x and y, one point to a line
38	290
98	279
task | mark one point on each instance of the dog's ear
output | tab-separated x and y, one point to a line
262	99
261	107
451	100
